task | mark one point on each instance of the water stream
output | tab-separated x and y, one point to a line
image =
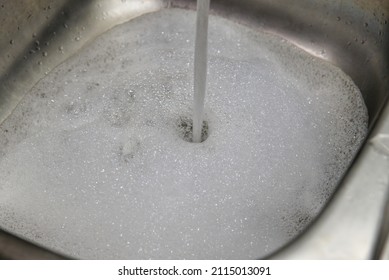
200	67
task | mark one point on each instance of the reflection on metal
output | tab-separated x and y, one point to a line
383	233
38	35
381	143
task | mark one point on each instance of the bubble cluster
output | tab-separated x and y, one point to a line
92	161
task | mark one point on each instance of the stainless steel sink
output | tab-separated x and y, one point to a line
37	35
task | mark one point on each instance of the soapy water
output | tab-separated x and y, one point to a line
93	161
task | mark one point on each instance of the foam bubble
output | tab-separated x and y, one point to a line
92	162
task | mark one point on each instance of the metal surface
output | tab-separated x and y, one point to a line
37	35
12	247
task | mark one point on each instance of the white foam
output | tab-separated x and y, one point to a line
92	164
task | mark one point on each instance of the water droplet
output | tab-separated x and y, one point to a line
44	53
77	38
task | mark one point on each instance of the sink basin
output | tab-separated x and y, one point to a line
350	35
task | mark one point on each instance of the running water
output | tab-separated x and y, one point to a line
99	145
200	67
